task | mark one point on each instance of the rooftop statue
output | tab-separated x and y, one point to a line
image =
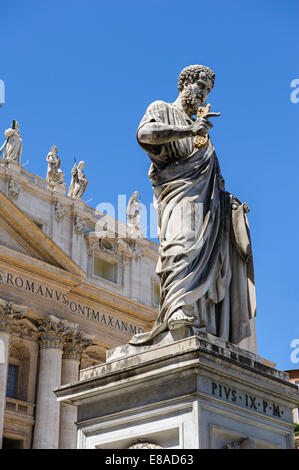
133	216
54	173
13	145
79	181
205	264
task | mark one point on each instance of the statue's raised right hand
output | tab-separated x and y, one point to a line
203	125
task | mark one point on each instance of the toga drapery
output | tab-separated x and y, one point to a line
205	263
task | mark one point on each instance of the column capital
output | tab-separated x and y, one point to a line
51	333
75	344
61	334
9	312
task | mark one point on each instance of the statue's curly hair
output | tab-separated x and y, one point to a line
190	74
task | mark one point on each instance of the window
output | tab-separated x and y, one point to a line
156	293
104	269
12	377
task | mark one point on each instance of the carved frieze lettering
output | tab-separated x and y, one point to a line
75	307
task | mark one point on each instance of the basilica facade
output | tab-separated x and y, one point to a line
72	286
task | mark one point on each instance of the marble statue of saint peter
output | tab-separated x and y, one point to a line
205	259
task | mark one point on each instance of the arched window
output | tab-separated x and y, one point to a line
18	372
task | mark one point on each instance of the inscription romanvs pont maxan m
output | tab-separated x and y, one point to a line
74	307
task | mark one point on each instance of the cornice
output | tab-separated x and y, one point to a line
33	266
82	292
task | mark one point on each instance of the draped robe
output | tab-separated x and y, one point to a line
54	173
205	260
14	145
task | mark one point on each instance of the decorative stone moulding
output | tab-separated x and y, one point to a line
61	334
60	211
114	247
78	225
13	189
9	313
143	444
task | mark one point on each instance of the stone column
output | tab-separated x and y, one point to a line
68	413
8	313
74	346
46	431
4	345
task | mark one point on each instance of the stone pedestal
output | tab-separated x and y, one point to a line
15	166
186	390
59	188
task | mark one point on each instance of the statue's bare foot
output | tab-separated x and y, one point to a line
179	319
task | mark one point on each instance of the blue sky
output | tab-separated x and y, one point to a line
81	74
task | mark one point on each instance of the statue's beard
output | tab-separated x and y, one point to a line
190	102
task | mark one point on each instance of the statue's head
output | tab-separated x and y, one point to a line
54	149
195	83
81	165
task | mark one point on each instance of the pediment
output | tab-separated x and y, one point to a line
7	240
18	233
